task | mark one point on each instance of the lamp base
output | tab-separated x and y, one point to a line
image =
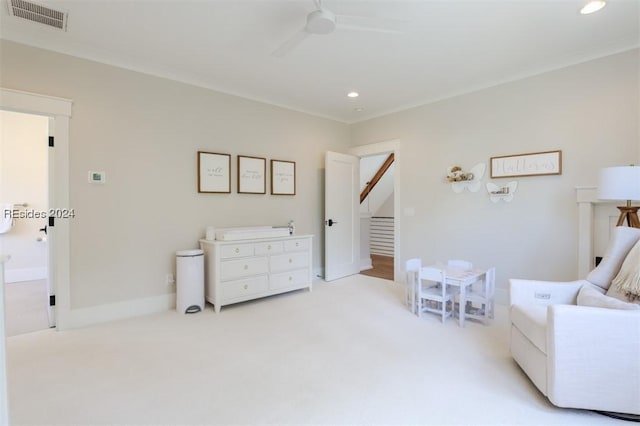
630	214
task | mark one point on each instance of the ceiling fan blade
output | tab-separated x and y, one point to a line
367	23
290	44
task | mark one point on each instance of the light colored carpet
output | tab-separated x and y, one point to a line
347	353
26	305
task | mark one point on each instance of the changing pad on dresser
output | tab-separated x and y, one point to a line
251	232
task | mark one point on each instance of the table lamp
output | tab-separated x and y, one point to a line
622	183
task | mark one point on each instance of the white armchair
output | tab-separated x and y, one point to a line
579	356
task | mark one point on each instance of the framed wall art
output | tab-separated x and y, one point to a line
251	175
533	164
214	172
283	177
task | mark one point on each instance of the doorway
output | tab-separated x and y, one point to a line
24	184
380	219
377	215
58	112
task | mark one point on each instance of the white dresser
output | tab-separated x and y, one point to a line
236	271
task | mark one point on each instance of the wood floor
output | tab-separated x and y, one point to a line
382	267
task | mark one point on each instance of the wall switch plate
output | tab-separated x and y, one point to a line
170	279
97	177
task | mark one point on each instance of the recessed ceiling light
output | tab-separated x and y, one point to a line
358	109
593	6
353	94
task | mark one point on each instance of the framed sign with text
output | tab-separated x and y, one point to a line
214	172
534	164
283	177
251	175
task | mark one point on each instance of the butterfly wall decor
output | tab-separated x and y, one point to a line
504	193
473	184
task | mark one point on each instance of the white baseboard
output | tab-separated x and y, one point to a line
115	311
24	274
366	264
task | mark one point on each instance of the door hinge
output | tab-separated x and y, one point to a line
51	140
51	221
52	300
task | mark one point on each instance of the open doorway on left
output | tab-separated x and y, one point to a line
24	183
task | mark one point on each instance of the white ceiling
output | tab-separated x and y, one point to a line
447	47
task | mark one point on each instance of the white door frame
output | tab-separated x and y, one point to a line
4	400
59	110
388	147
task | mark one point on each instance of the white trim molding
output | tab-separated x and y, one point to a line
4	404
83	317
33	103
59	110
596	218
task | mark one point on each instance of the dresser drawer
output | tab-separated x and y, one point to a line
297	278
295	245
237	289
286	262
269	248
236	250
241	270
231	269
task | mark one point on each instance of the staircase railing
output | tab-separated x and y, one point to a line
376	178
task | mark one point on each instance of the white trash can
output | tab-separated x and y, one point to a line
189	281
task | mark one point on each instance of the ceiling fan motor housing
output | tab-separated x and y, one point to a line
321	22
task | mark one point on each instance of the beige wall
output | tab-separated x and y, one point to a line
144	132
589	111
23	178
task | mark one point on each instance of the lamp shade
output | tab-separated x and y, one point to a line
619	183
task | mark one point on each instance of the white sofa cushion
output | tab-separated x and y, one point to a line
627	281
531	320
591	297
623	239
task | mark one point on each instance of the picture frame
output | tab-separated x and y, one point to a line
283	177
530	164
251	175
214	172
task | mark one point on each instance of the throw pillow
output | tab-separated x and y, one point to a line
588	296
622	240
628	279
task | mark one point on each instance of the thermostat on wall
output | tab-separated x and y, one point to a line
97	177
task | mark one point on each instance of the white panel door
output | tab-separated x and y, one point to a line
342	216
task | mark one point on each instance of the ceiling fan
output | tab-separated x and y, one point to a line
323	21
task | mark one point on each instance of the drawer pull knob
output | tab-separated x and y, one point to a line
297	244
246	267
290	278
290	260
237	250
246	286
269	247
